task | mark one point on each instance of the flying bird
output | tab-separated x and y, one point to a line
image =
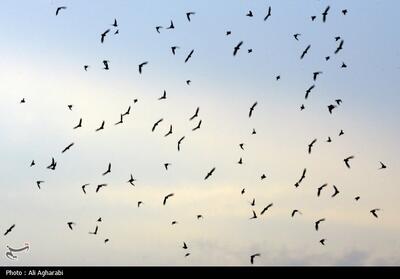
184	246
115	24
322	241
309	91
84	187
100	186
303	175
179	142
173	49
346	161
249	14
167	197
79	124
68	147
188	14
59	9
127	112
158	29
171	26
131	180
268	14
296	36
237	47
311	145
141	66
374	211
197	127
252	109
209	173
9	230
336	191
305	51
331	108
105	62
254	215
108	169
341	133
103	35
383	166
121	120
166	165
169	132
315	75
164	96
70	224
318	222
295	211
195	114
32	163
253	256
53	164
266	208
39	182
344	12
320	189
189	55
338	101
156	124
263	176
95	230
325	13
340	47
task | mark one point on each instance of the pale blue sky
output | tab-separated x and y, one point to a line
42	58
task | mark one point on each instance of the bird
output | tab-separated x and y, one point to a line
169	132
32	163
331	108
184	246
156	124
174	222
243	191
341	133
106	67
188	14
209	173
141	66
278	77
95	230
121	120
318	222
329	139
263	176
79	124
166	165
343	65
308	91
313	18
22	101
139	203
195	114
322	241
189	55
327	58
188	82
254	215
346	161
53	164
294	212
336	191
116	32
254	132
164	96
108	170
241	145
173	49
197	127
296	36
325	13
187	255
249	14
9	230
67	148
268	14
303	175
240	161
383	166
266	208
199	216
302	107
228	33
253	202
179	142
103	35
357	198
340	47
311	145
127	111
305	51
315	75
70	224
250	50
106	240
338	101
252	109
70	107
100	186
84	187
237	47
115	24
59	9
344	12
171	25
320	189
374	211
131	180
86	67
99	220
167	197
39	182
253	256
158	29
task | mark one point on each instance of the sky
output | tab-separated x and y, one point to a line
42	58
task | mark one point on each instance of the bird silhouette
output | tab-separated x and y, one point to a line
164	96
9	230
336	191
313	18
341	133
121	120
39	182
99	220
179	142
240	161
188	82
254	215
343	65
70	107
79	124
188	14
340	47
383	166
141	66
320	189
228	33
22	101
263	176
70	224
209	173
171	25
196	114
322	241
325	13
167	197
115	24
294	212
100	186
32	163
374	211
266	208
338	101
67	148
268	14
311	145
252	109
173	49
305	51
249	14
95	230
184	246
243	191
156	124
86	67
197	127
316	74
253	202
127	111
296	36
166	165
158	29
303	175
131	180
309	91
106	240
174	222
189	55
302	107
59	9
199	216
106	67
331	108
344	12
84	187
169	131
253	256
53	164
108	170
254	132
237	47
346	161
329	139
103	35
139	203
318	222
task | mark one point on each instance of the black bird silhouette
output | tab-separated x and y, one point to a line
158	29
105	62
240	161
199	216
322	241
131	180
311	145
340	47
336	191
318	222
228	33
188	14
169	132
315	75
325	13
237	47
103	35
141	66
329	139
243	191
121	120
302	107
254	132
127	112
84	187
344	12
331	108
197	127
99	220
167	197
22	101
253	256
346	161
108	169
86	67
241	145
188	82
296	36
39	182
174	222
171	26
254	215
100	186
343	65
305	51
59	9
106	240
357	198
184	246
341	133
374	211
166	165
139	203
116	32
303	175
268	14
209	173
79	124
70	107
295	211
9	230
164	96
156	124
250	50
101	127
187	255
338	101
195	114
173	49
189	55
383	166
278	77
53	164
327	58
70	224
251	109
95	230
313	18
263	176
115	24
179	142
68	147
309	91
320	189
253	202
32	163
266	208
249	14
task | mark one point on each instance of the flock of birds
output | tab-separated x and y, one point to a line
236	50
